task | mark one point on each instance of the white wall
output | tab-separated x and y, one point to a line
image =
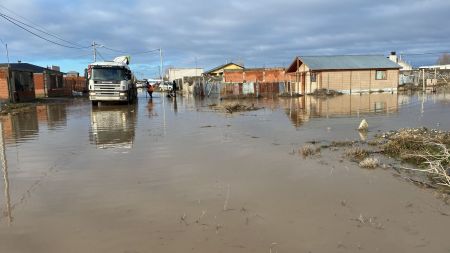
175	73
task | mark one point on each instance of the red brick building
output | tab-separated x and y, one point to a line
16	83
50	83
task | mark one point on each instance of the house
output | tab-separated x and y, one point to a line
344	73
16	83
218	71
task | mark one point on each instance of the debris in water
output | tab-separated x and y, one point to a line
363	126
240	108
369	163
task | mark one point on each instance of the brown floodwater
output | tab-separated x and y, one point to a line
177	176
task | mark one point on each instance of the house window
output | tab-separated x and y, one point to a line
380	75
313	77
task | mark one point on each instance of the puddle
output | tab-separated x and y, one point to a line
174	175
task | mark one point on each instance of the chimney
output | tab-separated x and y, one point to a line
393	57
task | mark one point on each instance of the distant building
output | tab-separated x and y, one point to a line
72	74
218	71
179	73
345	73
405	66
447	66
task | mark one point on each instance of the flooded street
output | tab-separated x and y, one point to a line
177	176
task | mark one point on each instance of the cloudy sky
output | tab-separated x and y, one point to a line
257	33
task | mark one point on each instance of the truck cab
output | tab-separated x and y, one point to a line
111	81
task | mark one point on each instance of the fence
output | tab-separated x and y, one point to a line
425	77
238	90
78	84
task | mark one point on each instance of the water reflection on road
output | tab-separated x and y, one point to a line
113	126
189	177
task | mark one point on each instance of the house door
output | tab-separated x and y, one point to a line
303	83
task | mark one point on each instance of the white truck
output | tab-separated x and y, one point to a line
111	81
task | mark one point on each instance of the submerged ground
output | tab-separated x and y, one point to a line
180	176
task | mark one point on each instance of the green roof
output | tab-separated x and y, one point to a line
346	62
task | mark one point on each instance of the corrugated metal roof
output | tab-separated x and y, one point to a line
28	67
348	62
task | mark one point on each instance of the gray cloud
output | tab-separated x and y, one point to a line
259	33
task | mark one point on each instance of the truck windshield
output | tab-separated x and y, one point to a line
108	74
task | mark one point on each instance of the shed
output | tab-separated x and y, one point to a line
16	83
344	73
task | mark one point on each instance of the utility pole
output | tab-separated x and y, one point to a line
7	53
160	65
94	50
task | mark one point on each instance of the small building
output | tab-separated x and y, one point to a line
255	80
184	77
218	71
439	67
178	73
16	83
345	73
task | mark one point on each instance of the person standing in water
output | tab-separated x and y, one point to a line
150	90
174	88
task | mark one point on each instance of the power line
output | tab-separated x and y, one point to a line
428	53
134	53
43	30
37	35
101	56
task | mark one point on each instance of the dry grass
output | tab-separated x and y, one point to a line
342	143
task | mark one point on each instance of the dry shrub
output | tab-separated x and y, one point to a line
357	153
369	163
309	150
410	144
427	148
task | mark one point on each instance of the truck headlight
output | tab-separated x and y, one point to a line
92	93
122	93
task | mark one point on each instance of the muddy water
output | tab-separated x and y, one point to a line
177	176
